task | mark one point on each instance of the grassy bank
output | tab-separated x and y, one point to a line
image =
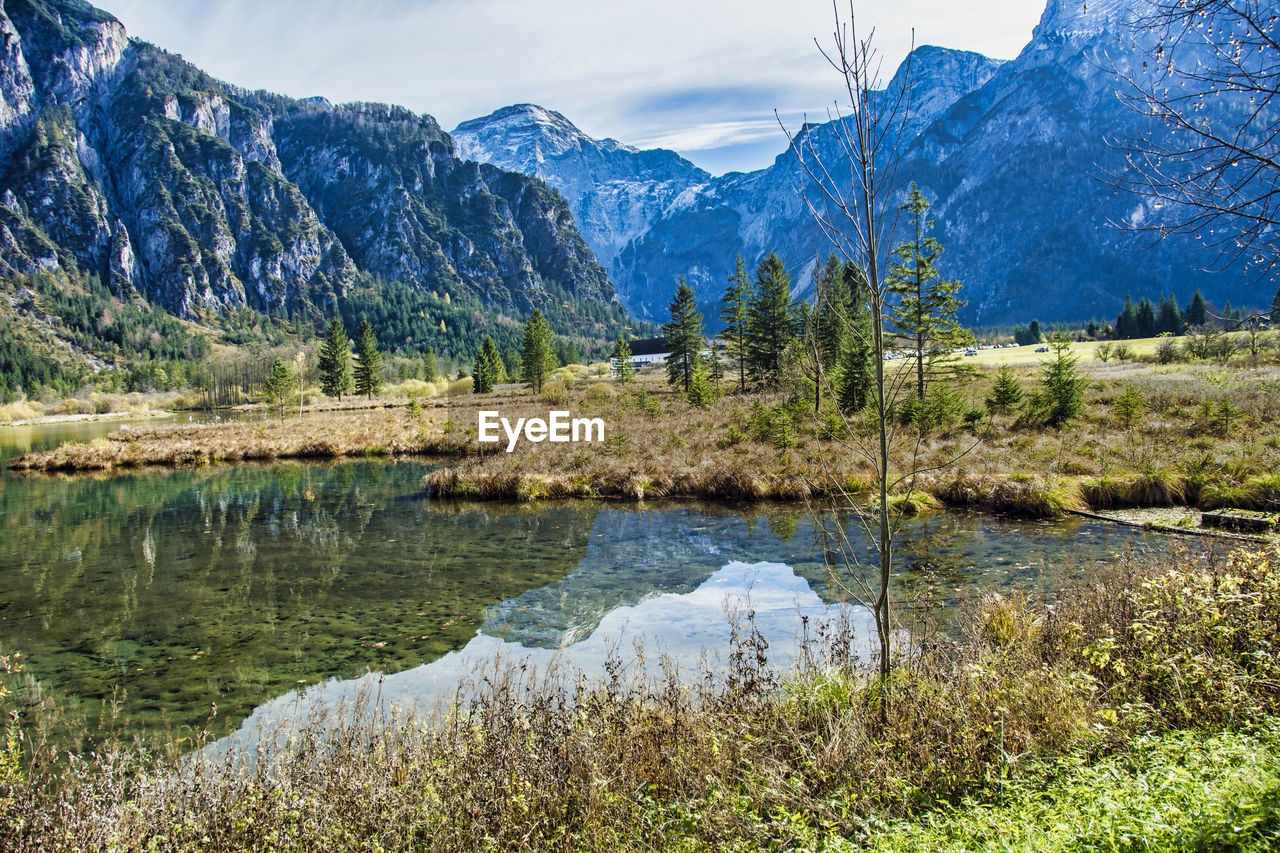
1141	704
1200	436
322	435
1176	791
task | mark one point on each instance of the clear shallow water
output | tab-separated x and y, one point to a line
267	590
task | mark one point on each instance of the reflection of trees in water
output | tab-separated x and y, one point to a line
236	584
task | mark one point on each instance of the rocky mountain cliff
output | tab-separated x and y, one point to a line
615	191
1012	155
121	161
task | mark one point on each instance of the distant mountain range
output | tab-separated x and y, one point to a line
123	163
130	177
1011	154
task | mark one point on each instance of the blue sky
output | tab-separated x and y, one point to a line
700	76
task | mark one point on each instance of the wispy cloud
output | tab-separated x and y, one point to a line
716	134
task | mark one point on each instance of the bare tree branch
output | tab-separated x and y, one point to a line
1206	73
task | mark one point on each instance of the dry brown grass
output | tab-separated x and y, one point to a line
1180	449
363	432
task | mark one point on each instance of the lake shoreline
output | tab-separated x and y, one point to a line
87	418
654	450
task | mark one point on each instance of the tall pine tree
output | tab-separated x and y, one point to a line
622	360
857	364
1169	317
925	316
536	360
736	307
684	336
1146	319
1197	313
368	369
832	310
335	360
771	322
1127	320
489	370
430	367
498	369
1275	308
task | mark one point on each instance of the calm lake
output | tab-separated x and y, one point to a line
266	589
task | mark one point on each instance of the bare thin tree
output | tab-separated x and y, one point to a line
853	193
1207	75
849	195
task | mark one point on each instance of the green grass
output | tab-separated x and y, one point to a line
1015	356
1177	791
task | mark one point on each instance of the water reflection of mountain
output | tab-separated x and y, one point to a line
636	554
683	633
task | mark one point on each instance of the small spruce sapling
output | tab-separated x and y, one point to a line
1006	394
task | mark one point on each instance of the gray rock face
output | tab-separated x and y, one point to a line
1012	155
614	191
126	162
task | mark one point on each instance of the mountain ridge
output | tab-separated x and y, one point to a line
1013	156
126	163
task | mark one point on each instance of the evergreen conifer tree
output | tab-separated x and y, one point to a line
479	372
1275	308
771	323
622	358
1197	313
490	371
1062	391
430	367
684	336
1169	318
925	315
368	368
1006	394
856	373
1027	335
830	313
1146	319
701	392
335	360
734	313
535	356
1127	321
279	383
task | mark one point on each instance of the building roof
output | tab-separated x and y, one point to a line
649	346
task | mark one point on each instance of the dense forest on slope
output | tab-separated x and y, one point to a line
137	191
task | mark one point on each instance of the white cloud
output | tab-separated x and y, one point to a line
712	135
592	61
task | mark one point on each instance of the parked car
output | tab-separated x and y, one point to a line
1042	349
